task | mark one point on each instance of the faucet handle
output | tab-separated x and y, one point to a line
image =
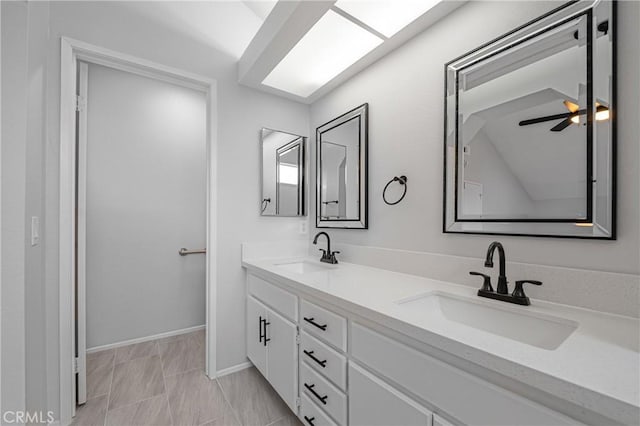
324	253
519	292
486	285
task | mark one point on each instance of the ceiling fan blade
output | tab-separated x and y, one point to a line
545	118
562	125
571	106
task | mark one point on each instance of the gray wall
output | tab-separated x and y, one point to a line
404	91
146	198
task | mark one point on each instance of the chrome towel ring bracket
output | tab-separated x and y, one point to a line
403	181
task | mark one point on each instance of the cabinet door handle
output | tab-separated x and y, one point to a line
260	329
315	324
266	339
323	364
322	399
310	420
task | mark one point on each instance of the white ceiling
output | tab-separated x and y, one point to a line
227	26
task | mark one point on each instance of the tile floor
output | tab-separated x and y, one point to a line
162	382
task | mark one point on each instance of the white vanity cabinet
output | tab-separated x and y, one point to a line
272	345
256	348
333	370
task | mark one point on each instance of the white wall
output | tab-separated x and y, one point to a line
404	91
242	113
14	126
145	199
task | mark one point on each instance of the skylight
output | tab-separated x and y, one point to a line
386	16
332	45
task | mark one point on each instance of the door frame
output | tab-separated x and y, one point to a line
71	52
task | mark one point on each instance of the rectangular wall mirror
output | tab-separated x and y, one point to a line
341	147
530	129
283	171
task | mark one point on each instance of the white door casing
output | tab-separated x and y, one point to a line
73	51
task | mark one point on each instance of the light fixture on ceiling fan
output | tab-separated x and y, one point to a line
568	118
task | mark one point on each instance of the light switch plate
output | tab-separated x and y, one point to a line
35	230
303	227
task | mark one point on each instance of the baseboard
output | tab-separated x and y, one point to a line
145	339
234	368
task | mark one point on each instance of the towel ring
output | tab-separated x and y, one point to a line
403	181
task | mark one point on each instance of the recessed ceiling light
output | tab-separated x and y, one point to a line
386	16
332	45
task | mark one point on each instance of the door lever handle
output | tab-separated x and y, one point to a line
183	251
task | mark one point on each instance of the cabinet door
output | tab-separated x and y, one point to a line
282	358
373	402
256	348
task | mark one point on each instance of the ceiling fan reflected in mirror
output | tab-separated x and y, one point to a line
568	118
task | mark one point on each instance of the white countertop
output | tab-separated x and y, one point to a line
597	367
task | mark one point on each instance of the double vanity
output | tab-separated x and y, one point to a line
345	344
529	151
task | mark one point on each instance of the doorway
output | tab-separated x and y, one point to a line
137	189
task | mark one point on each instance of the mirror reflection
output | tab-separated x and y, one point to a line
529	129
282	174
341	171
522	151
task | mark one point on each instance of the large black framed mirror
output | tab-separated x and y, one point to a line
283	173
530	129
341	173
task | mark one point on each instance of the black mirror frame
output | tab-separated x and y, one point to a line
362	114
450	224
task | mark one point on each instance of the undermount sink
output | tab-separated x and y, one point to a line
542	331
304	267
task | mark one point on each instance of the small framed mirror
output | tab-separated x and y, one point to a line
530	129
283	171
341	147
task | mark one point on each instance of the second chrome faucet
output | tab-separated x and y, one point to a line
502	290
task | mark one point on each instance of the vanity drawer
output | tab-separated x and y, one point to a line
330	327
311	415
275	297
373	402
324	360
465	397
325	395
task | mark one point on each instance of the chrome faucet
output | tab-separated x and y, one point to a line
502	291
328	256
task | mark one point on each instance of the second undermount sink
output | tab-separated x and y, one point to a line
304	267
542	331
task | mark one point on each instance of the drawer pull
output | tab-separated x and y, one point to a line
322	399
322	364
309	420
315	324
260	329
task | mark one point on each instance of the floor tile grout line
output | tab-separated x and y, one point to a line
183	372
226	400
113	371
137	402
276	421
166	390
